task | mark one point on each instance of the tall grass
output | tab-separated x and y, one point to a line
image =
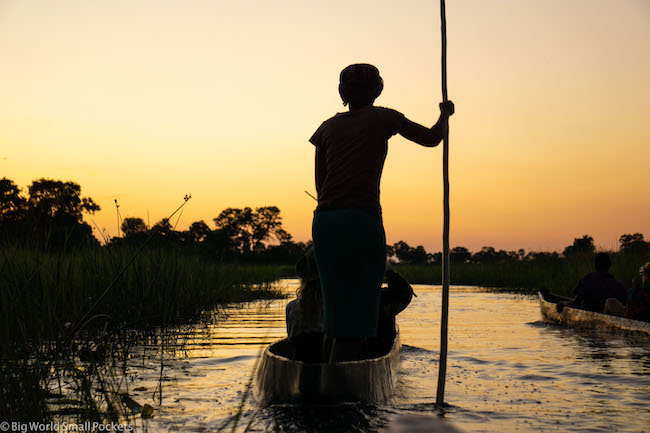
45	294
559	276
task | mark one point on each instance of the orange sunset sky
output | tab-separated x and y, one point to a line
144	101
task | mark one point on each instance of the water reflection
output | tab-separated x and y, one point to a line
307	419
507	372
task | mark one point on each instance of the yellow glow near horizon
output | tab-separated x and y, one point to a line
147	101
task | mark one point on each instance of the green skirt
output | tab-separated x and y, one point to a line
350	251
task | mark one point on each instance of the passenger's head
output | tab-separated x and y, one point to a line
306	267
360	84
602	262
645	274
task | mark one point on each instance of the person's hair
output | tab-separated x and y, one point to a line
645	269
602	262
360	84
310	303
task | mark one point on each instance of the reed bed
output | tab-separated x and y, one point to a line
48	354
559	276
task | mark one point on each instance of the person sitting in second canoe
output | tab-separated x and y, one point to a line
304	314
595	288
638	297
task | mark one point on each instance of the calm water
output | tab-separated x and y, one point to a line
507	372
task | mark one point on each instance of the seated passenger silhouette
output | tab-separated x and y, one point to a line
304	314
595	288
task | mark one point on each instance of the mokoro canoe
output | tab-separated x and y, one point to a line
568	316
280	379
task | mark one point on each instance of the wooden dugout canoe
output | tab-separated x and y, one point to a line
280	379
588	319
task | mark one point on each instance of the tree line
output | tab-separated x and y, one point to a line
240	235
581	247
51	215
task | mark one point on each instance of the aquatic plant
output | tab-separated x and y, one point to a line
48	355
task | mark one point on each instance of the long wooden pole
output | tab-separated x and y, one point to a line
444	322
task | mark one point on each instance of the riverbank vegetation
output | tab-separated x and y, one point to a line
72	309
521	271
65	317
559	275
52	212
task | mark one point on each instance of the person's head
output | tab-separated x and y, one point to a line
360	84
306	267
645	275
602	262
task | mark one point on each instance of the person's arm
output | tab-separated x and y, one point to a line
579	295
428	137
577	300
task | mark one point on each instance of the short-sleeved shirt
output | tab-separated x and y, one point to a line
354	145
595	288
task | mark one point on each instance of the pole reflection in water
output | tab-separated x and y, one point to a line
507	372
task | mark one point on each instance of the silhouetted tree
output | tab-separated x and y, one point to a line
435	257
486	255
408	255
59	201
583	245
52	215
542	257
490	255
419	255
248	229
12	205
634	244
236	226
402	251
198	231
283	236
162	227
459	255
265	223
132	226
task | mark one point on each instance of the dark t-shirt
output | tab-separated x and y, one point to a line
354	145
595	288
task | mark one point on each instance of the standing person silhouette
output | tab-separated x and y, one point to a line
347	230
